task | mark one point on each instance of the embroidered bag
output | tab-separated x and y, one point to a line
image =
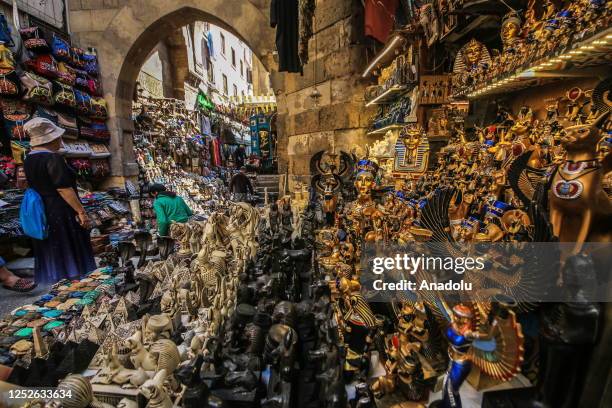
69	124
63	95
15	114
76	58
43	65
100	168
91	63
9	82
83	102
65	74
5	32
60	49
34	40
98	108
36	89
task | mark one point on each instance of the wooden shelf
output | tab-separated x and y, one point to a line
396	42
387	128
586	58
389	95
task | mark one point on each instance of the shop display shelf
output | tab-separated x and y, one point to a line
389	95
385	129
396	42
586	58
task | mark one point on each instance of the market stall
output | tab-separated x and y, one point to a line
44	76
462	262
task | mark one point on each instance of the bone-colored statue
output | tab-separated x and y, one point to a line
127	403
154	391
181	232
195	240
81	393
115	373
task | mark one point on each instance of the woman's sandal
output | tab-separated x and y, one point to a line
22	285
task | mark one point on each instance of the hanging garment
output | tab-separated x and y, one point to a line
216	152
206	126
284	17
380	18
211	49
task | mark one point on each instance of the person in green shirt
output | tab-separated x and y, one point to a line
168	207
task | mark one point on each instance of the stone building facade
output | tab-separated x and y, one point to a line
322	109
337	119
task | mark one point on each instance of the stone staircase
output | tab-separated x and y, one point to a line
269	181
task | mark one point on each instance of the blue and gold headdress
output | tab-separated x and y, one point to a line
498	208
366	165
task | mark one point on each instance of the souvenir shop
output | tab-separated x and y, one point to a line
491	143
175	146
42	75
264	157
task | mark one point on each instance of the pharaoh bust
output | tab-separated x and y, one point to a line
470	56
510	30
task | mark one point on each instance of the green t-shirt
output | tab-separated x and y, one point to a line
168	209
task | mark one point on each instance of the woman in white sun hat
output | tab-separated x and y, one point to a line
66	253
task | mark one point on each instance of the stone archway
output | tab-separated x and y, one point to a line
125	31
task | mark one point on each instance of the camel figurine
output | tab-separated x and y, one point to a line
580	209
154	391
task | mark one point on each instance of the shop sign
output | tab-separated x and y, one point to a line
151	84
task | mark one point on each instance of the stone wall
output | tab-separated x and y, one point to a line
338	118
125	32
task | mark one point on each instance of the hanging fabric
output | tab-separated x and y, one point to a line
284	17
211	49
380	18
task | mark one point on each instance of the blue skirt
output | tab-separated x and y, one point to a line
66	253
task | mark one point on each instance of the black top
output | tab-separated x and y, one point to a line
46	172
240	183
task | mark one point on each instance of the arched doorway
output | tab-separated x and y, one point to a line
125	31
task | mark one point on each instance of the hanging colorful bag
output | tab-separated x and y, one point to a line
5	32
69	124
82	80
91	62
9	85
60	49
15	114
18	150
9	82
42	112
94	87
43	65
83	102
7	166
36	89
32	215
34	40
65	74
76	58
63	95
98	108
